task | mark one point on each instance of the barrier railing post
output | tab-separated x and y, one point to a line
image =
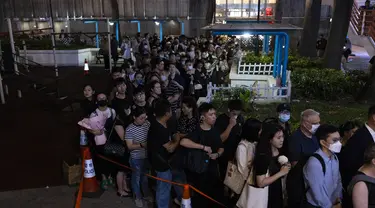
1	89
109	45
10	30
54	48
25	55
2	97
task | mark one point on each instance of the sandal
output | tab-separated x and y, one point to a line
104	184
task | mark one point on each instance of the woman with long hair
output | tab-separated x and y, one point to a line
268	170
245	154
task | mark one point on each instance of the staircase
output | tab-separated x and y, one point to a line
38	87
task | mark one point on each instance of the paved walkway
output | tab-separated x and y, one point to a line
60	196
361	59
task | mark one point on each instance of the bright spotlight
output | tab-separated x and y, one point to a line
246	35
157	23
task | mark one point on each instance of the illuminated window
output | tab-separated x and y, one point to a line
244	8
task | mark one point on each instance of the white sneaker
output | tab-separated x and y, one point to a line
138	202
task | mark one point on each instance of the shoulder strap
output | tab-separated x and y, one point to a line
321	160
357	178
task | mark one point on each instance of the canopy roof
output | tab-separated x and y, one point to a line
255	27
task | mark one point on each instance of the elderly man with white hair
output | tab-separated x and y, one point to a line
302	144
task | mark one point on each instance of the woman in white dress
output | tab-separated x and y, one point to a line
245	154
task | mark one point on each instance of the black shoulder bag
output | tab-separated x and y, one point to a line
112	147
197	160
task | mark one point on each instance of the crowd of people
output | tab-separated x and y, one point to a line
154	125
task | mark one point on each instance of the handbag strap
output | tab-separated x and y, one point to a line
234	160
113	125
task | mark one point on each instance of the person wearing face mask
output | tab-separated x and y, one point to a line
321	172
283	110
302	144
138	80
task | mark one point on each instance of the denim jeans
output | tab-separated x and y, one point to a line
139	180
179	176
163	189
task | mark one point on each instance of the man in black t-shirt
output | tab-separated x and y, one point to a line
207	139
229	125
160	145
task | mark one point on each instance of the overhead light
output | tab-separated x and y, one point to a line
157	23
188	17
111	23
330	19
154	17
246	35
66	25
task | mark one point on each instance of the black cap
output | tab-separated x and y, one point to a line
283	107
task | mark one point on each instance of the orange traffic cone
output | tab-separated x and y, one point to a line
86	68
186	201
91	187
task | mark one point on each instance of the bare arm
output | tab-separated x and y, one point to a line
232	122
360	195
120	132
171	145
264	181
190	144
134	146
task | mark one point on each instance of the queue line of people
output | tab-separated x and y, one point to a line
152	112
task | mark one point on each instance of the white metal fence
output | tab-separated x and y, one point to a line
255	68
261	93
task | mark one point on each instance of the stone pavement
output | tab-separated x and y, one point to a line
361	59
60	197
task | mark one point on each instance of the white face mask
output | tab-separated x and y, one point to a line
335	147
314	128
163	78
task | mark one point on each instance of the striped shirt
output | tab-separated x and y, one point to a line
138	134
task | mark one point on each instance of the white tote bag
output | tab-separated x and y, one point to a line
253	197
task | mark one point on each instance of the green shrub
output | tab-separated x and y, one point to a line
356	80
221	97
297	62
252	58
326	84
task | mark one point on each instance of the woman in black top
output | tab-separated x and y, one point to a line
362	187
88	105
268	170
121	103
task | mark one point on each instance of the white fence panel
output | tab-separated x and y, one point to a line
261	92
255	68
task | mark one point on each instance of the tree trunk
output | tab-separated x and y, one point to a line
115	15
337	34
279	11
2	17
210	11
311	25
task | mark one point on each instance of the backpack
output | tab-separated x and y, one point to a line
197	160
295	183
